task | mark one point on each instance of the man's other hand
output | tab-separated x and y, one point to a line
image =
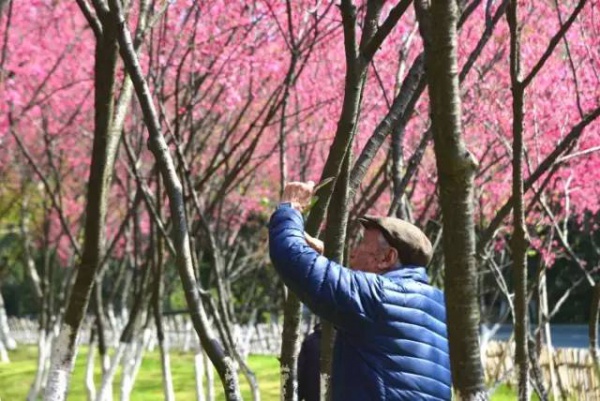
298	194
314	243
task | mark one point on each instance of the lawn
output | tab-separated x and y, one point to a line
16	377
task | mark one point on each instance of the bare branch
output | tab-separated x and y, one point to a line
369	49
542	168
92	20
42	177
553	43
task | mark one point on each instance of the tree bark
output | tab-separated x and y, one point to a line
157	296
518	240
44	340
126	343
456	167
335	239
593	329
90	386
159	148
354	82
30	268
103	156
5	336
199	374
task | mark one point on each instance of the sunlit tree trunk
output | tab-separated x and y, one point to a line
199	374
157	297
44	348
125	352
210	378
456	167
5	335
90	386
545	331
518	240
160	150
131	365
593	329
103	155
30	268
3	353
335	239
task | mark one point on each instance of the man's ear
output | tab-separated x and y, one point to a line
391	256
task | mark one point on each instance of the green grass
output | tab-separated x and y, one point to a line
17	376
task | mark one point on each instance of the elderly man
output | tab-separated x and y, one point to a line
391	339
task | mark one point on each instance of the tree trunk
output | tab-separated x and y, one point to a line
199	374
210	378
593	329
90	386
127	343
546	334
160	150
519	241
358	58
290	346
456	167
335	239
103	156
132	366
30	268
44	347
157	296
3	353
5	336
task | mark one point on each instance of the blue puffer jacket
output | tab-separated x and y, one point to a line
391	329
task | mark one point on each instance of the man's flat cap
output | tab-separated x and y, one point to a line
413	246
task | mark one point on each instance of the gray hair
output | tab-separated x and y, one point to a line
382	241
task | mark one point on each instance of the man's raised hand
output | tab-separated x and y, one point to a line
298	194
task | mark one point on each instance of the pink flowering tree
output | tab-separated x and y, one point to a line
250	96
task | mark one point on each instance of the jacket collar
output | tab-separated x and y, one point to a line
400	272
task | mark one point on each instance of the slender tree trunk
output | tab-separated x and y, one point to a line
357	61
5	336
593	329
519	241
157	296
103	156
210	378
456	167
90	386
30	268
100	323
335	239
6	341
354	83
159	148
546	334
43	348
3	353
199	374
127	367
127	343
131	366
398	199
290	346
290	335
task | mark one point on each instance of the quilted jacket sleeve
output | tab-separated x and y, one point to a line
344	297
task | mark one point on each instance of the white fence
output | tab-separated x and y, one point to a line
264	339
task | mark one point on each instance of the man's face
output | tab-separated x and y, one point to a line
371	254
